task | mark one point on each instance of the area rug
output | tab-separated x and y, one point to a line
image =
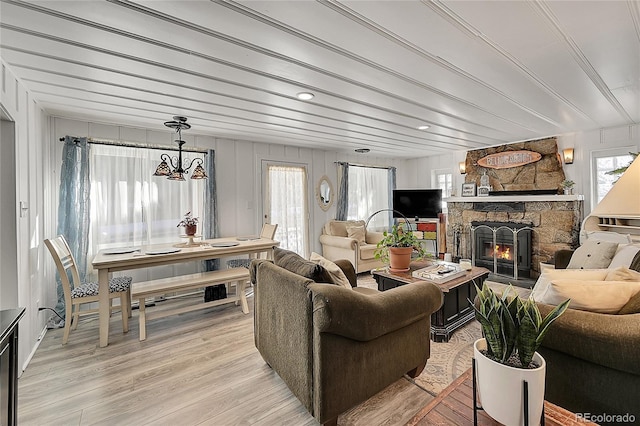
450	359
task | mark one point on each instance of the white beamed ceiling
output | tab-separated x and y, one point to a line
480	73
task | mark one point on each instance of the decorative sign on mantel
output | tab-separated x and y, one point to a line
508	159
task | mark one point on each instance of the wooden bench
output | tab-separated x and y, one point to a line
146	289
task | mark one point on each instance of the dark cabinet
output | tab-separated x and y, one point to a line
9	365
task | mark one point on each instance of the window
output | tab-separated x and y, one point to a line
131	206
369	191
286	205
443	179
604	162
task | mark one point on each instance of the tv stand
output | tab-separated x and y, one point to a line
430	229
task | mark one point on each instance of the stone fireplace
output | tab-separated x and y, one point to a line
555	221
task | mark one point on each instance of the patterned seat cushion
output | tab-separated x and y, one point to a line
238	263
116	284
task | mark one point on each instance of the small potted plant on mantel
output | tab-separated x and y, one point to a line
567	186
190	224
396	248
513	330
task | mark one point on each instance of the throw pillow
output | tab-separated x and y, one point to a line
606	297
612	237
622	274
334	270
298	265
624	255
544	281
357	233
593	255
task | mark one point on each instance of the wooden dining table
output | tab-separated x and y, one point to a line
106	263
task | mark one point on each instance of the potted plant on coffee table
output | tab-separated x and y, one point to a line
513	329
190	224
396	248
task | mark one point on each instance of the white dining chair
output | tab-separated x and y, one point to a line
268	232
77	293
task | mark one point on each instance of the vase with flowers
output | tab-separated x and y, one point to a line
190	224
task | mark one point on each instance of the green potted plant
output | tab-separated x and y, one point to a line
513	330
396	247
190	224
567	186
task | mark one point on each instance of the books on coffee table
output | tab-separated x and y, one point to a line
439	272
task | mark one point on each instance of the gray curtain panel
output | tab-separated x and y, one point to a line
210	221
74	206
342	205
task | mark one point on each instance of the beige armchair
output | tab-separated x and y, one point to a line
337	244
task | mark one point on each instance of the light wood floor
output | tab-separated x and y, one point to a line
196	368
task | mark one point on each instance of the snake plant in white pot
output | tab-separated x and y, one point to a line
513	330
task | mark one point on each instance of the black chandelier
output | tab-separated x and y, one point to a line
180	168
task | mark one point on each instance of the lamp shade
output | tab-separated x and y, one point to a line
176	176
163	169
198	173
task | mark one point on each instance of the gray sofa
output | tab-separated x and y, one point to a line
335	347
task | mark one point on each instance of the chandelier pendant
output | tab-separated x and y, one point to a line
175	168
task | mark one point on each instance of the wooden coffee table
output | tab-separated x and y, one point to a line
454	407
455	311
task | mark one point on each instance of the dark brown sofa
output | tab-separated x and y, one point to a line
335	347
593	359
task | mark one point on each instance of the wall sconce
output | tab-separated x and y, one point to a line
567	155
463	167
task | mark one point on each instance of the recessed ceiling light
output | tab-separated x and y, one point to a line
362	150
305	96
423	127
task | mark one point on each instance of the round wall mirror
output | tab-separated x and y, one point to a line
324	193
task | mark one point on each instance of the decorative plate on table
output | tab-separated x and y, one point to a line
120	250
162	251
225	244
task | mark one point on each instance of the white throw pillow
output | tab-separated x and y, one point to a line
612	237
622	274
334	270
606	297
357	233
624	255
593	255
548	275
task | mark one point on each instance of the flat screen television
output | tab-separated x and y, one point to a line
422	203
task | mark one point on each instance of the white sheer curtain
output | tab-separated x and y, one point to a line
369	192
287	189
130	206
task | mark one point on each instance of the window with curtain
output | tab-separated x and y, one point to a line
287	202
369	191
130	206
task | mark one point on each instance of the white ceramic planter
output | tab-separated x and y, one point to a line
501	391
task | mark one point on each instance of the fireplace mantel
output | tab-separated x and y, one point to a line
514	198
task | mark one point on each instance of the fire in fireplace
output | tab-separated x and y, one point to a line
502	250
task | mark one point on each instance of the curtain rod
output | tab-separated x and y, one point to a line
140	145
364	165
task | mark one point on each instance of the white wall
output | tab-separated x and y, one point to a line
25	283
584	143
